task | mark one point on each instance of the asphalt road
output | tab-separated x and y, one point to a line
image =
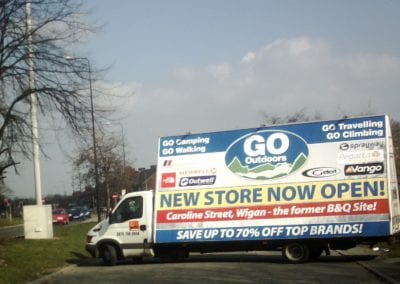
259	267
262	267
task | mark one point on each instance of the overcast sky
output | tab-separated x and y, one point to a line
211	65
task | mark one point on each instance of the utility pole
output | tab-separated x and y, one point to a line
123	157
37	218
35	131
96	171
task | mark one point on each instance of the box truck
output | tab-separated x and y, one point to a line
301	188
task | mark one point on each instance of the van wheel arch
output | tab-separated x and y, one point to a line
110	252
296	252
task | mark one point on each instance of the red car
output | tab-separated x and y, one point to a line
60	216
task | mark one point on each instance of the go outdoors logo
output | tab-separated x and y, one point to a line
266	155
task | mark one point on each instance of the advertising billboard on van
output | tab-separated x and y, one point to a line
305	180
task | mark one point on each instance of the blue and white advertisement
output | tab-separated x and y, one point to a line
309	180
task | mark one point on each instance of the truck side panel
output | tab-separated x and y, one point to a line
314	180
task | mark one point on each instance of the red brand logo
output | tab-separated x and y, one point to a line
168	180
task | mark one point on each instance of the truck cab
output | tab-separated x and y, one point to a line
127	232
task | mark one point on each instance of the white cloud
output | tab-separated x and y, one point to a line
299	46
249	57
284	76
185	73
219	72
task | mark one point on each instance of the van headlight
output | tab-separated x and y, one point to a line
97	229
89	239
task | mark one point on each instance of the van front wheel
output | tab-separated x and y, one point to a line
296	252
109	255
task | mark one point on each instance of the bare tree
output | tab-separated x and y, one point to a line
4	190
110	165
60	84
300	115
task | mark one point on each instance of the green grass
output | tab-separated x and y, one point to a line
23	260
6	222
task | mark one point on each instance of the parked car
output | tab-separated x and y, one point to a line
87	212
76	213
60	216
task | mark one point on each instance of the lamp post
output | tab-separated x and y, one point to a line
34	120
123	150
96	172
123	156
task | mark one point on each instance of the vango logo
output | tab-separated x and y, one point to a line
363	169
267	154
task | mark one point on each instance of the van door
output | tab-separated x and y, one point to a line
128	226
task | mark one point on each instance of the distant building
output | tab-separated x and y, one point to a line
145	179
85	197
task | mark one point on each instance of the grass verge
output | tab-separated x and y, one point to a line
4	222
23	260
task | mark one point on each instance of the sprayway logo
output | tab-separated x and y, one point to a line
266	154
363	169
194	181
368	145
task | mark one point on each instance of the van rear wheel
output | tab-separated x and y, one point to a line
296	252
109	255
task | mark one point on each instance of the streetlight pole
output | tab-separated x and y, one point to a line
123	156
96	172
39	215
34	120
123	148
123	152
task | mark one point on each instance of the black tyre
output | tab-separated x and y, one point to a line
296	252
109	255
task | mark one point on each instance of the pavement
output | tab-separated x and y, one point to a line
10	232
378	262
